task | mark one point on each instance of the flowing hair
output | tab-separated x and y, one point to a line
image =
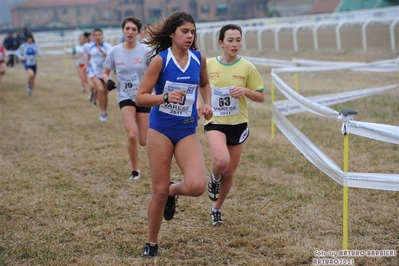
160	33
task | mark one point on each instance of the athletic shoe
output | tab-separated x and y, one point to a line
135	176
213	189
103	117
28	90
150	250
216	217
91	96
170	207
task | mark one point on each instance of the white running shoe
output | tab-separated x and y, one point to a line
28	90
103	117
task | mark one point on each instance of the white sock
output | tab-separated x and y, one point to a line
216	180
215	209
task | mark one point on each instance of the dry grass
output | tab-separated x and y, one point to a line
65	199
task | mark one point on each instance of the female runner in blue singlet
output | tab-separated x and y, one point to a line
27	53
176	73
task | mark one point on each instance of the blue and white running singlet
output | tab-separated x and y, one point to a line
173	77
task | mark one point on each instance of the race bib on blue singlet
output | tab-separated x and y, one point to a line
179	109
31	60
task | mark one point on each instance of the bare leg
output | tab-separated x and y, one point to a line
225	160
189	156
228	174
101	93
31	78
142	125
83	78
160	152
129	121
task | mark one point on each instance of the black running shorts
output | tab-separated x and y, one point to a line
235	134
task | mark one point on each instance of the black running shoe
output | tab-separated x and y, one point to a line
213	189
134	176
91	96
170	207
216	218
150	250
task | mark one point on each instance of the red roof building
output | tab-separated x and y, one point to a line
324	6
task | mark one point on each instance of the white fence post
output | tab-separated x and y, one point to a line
276	31
259	35
316	28
392	32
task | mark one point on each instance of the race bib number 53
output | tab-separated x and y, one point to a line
222	103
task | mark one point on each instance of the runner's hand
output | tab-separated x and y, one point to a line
110	85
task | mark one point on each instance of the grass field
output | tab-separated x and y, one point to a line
65	199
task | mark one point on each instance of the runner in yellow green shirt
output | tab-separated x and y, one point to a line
233	79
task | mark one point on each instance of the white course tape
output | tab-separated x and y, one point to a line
287	107
372	181
378	66
307	62
317	105
302	101
306	147
386	133
270	62
328	166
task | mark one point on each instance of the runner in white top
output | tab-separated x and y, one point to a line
92	92
97	53
130	60
78	55
27	53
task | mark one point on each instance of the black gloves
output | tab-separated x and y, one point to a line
110	85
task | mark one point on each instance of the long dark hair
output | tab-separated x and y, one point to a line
160	34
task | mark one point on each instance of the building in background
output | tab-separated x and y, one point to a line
324	6
42	14
286	8
67	14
